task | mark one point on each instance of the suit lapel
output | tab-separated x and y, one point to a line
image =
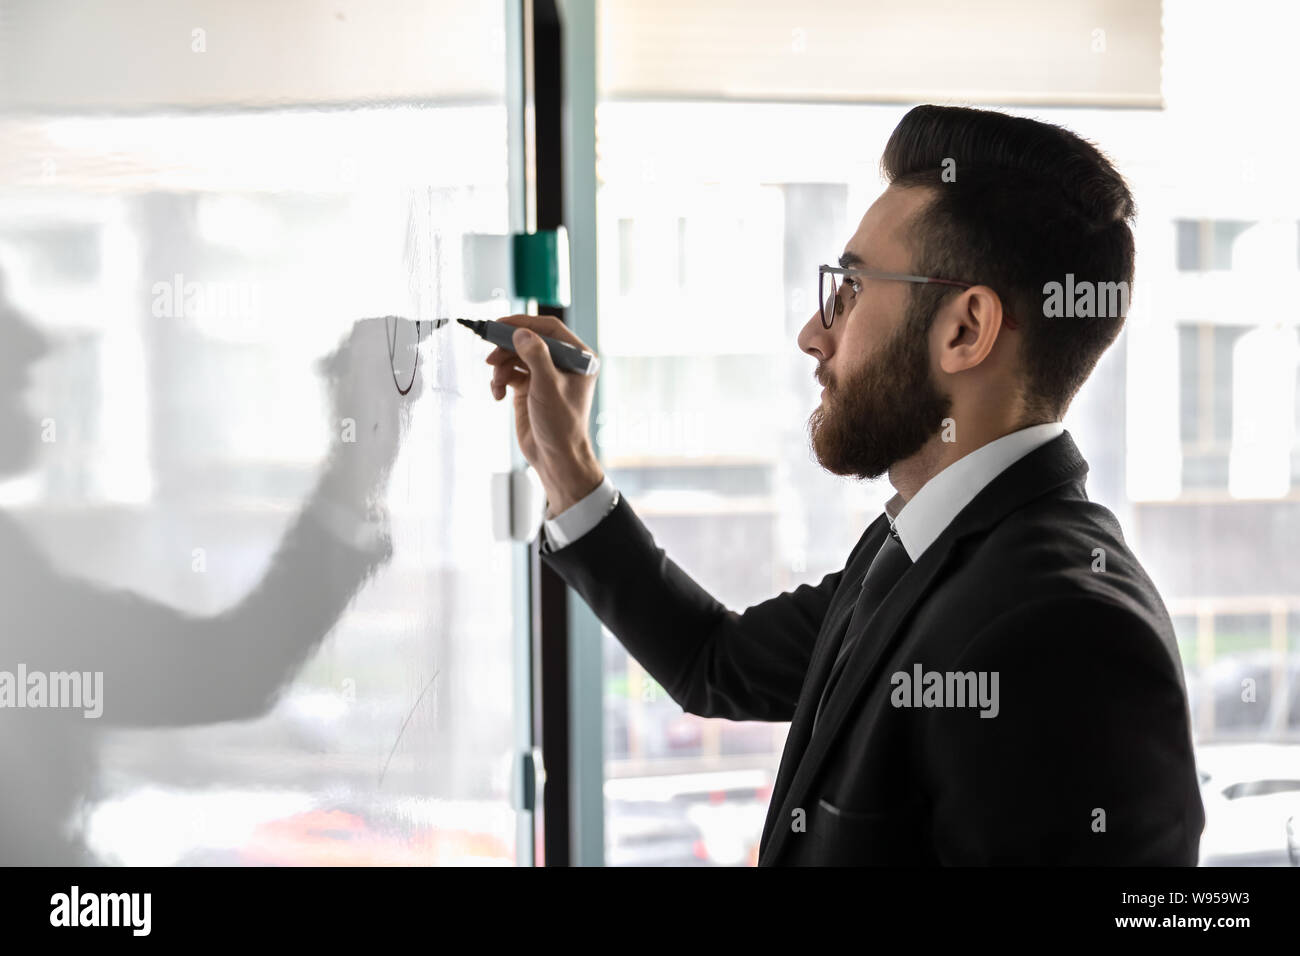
819	669
1048	467
877	641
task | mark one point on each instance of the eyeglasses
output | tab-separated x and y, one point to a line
828	299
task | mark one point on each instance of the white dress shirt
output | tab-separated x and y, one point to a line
579	518
918	522
922	519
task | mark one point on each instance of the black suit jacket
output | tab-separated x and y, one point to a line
1089	758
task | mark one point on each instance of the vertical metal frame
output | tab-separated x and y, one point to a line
559	45
524	782
586	638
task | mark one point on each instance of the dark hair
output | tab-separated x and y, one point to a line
1030	202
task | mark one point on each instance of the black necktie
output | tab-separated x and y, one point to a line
889	564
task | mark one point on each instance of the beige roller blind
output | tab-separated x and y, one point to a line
1041	52
82	55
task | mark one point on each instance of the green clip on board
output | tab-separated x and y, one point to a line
531	265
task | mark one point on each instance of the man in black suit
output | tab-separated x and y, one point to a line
992	677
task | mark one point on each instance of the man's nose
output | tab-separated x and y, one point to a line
815	339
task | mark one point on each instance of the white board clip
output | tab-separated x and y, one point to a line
518	502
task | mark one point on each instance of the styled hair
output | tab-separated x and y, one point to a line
1017	204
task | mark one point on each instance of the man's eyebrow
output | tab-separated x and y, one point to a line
851	260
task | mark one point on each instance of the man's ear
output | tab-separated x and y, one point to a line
967	328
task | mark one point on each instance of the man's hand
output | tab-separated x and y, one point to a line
552	409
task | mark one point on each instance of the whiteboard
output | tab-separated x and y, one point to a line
257	583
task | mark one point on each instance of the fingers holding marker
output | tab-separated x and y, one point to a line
508	369
534	351
499	356
504	376
547	325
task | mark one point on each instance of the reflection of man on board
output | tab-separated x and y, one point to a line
161	666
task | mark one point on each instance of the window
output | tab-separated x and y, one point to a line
743	507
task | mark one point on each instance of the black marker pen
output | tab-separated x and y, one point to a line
568	358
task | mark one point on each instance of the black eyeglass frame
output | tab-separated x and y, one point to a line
825	272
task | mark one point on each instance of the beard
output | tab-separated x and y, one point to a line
884	412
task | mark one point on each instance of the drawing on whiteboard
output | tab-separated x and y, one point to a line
420	335
402	729
392	352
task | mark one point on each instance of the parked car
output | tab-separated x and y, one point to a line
1251	793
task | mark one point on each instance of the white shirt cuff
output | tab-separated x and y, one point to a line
572	523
